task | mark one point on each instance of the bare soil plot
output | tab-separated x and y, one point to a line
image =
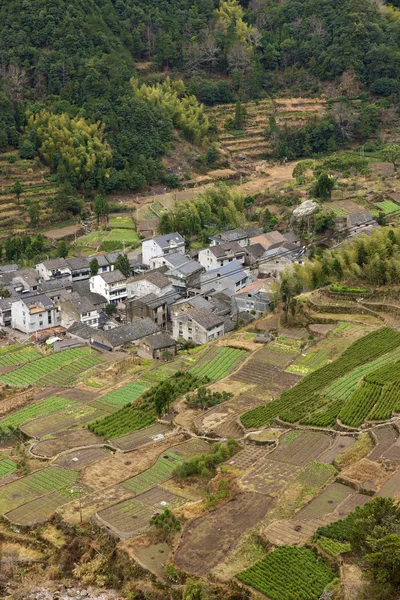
391	487
92	503
79	459
136	439
248	457
326	502
270	477
365	475
321	328
347	206
340	444
385	436
190	448
352	580
277	359
392	454
38	510
256	372
117	468
132	516
210	538
348	505
293	531
286	380
301	447
382	168
229	428
65	440
58	234
153	558
61	420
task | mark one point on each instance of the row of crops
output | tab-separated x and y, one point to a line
123	421
7	467
313	361
124	395
286	345
161	471
321	396
220	364
32	372
37	409
68	374
18	356
289	573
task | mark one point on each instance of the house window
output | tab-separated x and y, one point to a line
40	323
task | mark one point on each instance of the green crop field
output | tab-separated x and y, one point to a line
18	356
160	472
121	222
49	365
123	421
320	396
388	207
69	373
360	404
313	361
127	236
332	547
7	467
37	409
124	395
286	345
221	362
289	573
35	485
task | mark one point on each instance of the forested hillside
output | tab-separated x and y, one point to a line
77	61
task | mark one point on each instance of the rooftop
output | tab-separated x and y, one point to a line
222	250
170	239
154	277
37	301
130	332
255	250
204	318
266	239
237	234
254	287
80	262
55	263
156	341
112	276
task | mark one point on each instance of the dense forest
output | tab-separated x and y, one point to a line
76	65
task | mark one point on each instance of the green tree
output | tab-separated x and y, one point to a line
289	288
101	207
34	213
94	267
62	249
391	154
4	292
17	189
110	310
122	264
324	186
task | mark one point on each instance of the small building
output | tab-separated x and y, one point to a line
79	268
78	309
253	253
186	276
5	311
162	245
220	255
255	298
184	304
231	277
104	265
53	269
278	257
111	285
198	325
153	282
241	235
34	313
125	335
154	346
150	306
268	239
25	281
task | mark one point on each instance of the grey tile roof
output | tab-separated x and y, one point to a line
188	268
164	241
176	259
255	250
112	257
155	277
360	218
237	234
222	250
83	289
81	303
204	318
9	268
101	259
55	284
157	341
83	331
130	332
196	302
80	262
28	275
55	263
112	276
37	299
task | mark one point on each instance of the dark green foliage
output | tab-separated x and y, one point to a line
160	397
122	264
94	267
62	249
204	464
110	310
25	246
166	522
324	186
204	398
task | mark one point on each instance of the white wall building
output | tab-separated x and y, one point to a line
53	269
198	325
153	282
110	285
161	246
221	255
77	309
34	313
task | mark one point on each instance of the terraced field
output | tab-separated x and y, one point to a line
218	363
17	355
37	409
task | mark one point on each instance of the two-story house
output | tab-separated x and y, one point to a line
152	282
255	298
34	313
231	277
154	307
241	236
54	268
110	285
220	255
197	325
79	267
77	309
162	245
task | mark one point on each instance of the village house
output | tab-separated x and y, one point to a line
53	269
268	239
111	285
278	257
253	253
5	311
197	325
151	306
125	335
220	255
162	245
231	277
34	313
185	276
241	235
255	298
156	346
79	268
153	282
78	309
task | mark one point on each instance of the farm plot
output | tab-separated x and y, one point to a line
18	356
277	359
34	486
121	222
31	373
391	487
256	373
315	475
218	363
248	457
286	345
64	419
326	502
42	407
79	459
36	511
123	421
292	531
385	436
301	447
360	403
123	396
7	467
365	475
340	444
63	441
136	439
270	477
68	374
313	361
306	578
131	517
210	538
388	207
160	472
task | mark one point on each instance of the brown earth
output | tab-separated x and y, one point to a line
65	440
209	539
365	475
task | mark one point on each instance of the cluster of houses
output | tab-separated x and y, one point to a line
169	295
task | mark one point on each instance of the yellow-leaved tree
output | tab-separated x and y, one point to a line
186	112
72	146
230	16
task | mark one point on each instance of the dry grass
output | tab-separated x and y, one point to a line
361	448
